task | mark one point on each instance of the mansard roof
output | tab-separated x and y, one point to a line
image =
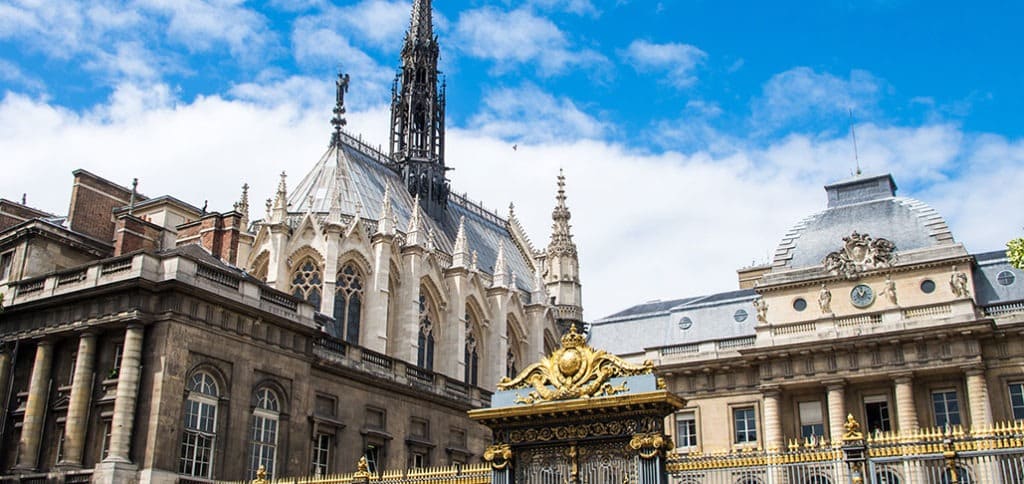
358	174
868	205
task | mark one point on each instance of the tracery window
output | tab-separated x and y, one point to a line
200	426
307	282
470	356
348	302
510	364
265	418
425	353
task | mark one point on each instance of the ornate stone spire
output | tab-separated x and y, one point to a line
414	232
539	294
561	235
280	207
460	253
338	121
334	212
562	274
500	267
242	207
385	222
417	114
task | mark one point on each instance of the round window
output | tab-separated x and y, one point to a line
1005	278
740	316
927	286
685	323
800	304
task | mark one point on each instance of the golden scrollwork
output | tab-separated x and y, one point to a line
573	371
852	429
649	445
498	455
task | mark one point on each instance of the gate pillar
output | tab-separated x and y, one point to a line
579	416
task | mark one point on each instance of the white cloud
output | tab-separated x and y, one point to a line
10	72
317	46
519	37
201	25
648	225
526	113
801	93
676	59
578	7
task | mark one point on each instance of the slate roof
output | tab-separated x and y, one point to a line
359	174
867	205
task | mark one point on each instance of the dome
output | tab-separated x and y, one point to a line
867	205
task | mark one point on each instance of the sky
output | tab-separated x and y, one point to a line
692	134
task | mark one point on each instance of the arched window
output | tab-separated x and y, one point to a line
265	418
512	356
348	302
471	357
425	354
200	426
306	282
510	364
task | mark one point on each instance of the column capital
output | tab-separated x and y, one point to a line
771	390
903	377
974	370
834	384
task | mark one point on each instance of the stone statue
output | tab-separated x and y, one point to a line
825	300
958	282
762	310
890	289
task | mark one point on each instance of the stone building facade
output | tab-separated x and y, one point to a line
870	307
143	339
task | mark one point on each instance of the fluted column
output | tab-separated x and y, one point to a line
35	407
977	398
906	412
836	398
78	405
127	394
773	439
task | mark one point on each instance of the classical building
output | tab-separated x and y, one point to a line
870	307
143	339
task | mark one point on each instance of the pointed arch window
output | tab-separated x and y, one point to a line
425	353
470	356
510	364
200	426
307	282
348	302
265	419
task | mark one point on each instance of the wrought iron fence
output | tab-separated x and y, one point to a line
954	455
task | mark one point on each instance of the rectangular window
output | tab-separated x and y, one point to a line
419	459
420	428
373	455
105	448
6	260
321	454
264	444
375	418
60	443
745	422
115	367
197	440
947	409
686	430
1017	400
876	409
812	422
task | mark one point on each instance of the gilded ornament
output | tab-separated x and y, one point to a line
261	475
573	371
362	468
852	429
498	455
650	444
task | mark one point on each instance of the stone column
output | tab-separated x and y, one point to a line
5	371
906	412
773	438
127	394
78	405
836	400
977	398
377	291
35	408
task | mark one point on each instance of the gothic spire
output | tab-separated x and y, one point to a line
280	207
417	115
414	232
385	222
500	267
460	253
561	235
242	207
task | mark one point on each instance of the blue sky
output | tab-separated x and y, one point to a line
697	131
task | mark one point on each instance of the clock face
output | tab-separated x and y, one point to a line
862	296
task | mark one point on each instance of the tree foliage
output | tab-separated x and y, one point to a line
1015	252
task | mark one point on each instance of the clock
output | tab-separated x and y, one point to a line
862	296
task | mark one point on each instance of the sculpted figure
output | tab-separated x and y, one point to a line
890	289
825	300
762	310
958	282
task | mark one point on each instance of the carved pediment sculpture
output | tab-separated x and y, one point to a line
573	371
860	253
